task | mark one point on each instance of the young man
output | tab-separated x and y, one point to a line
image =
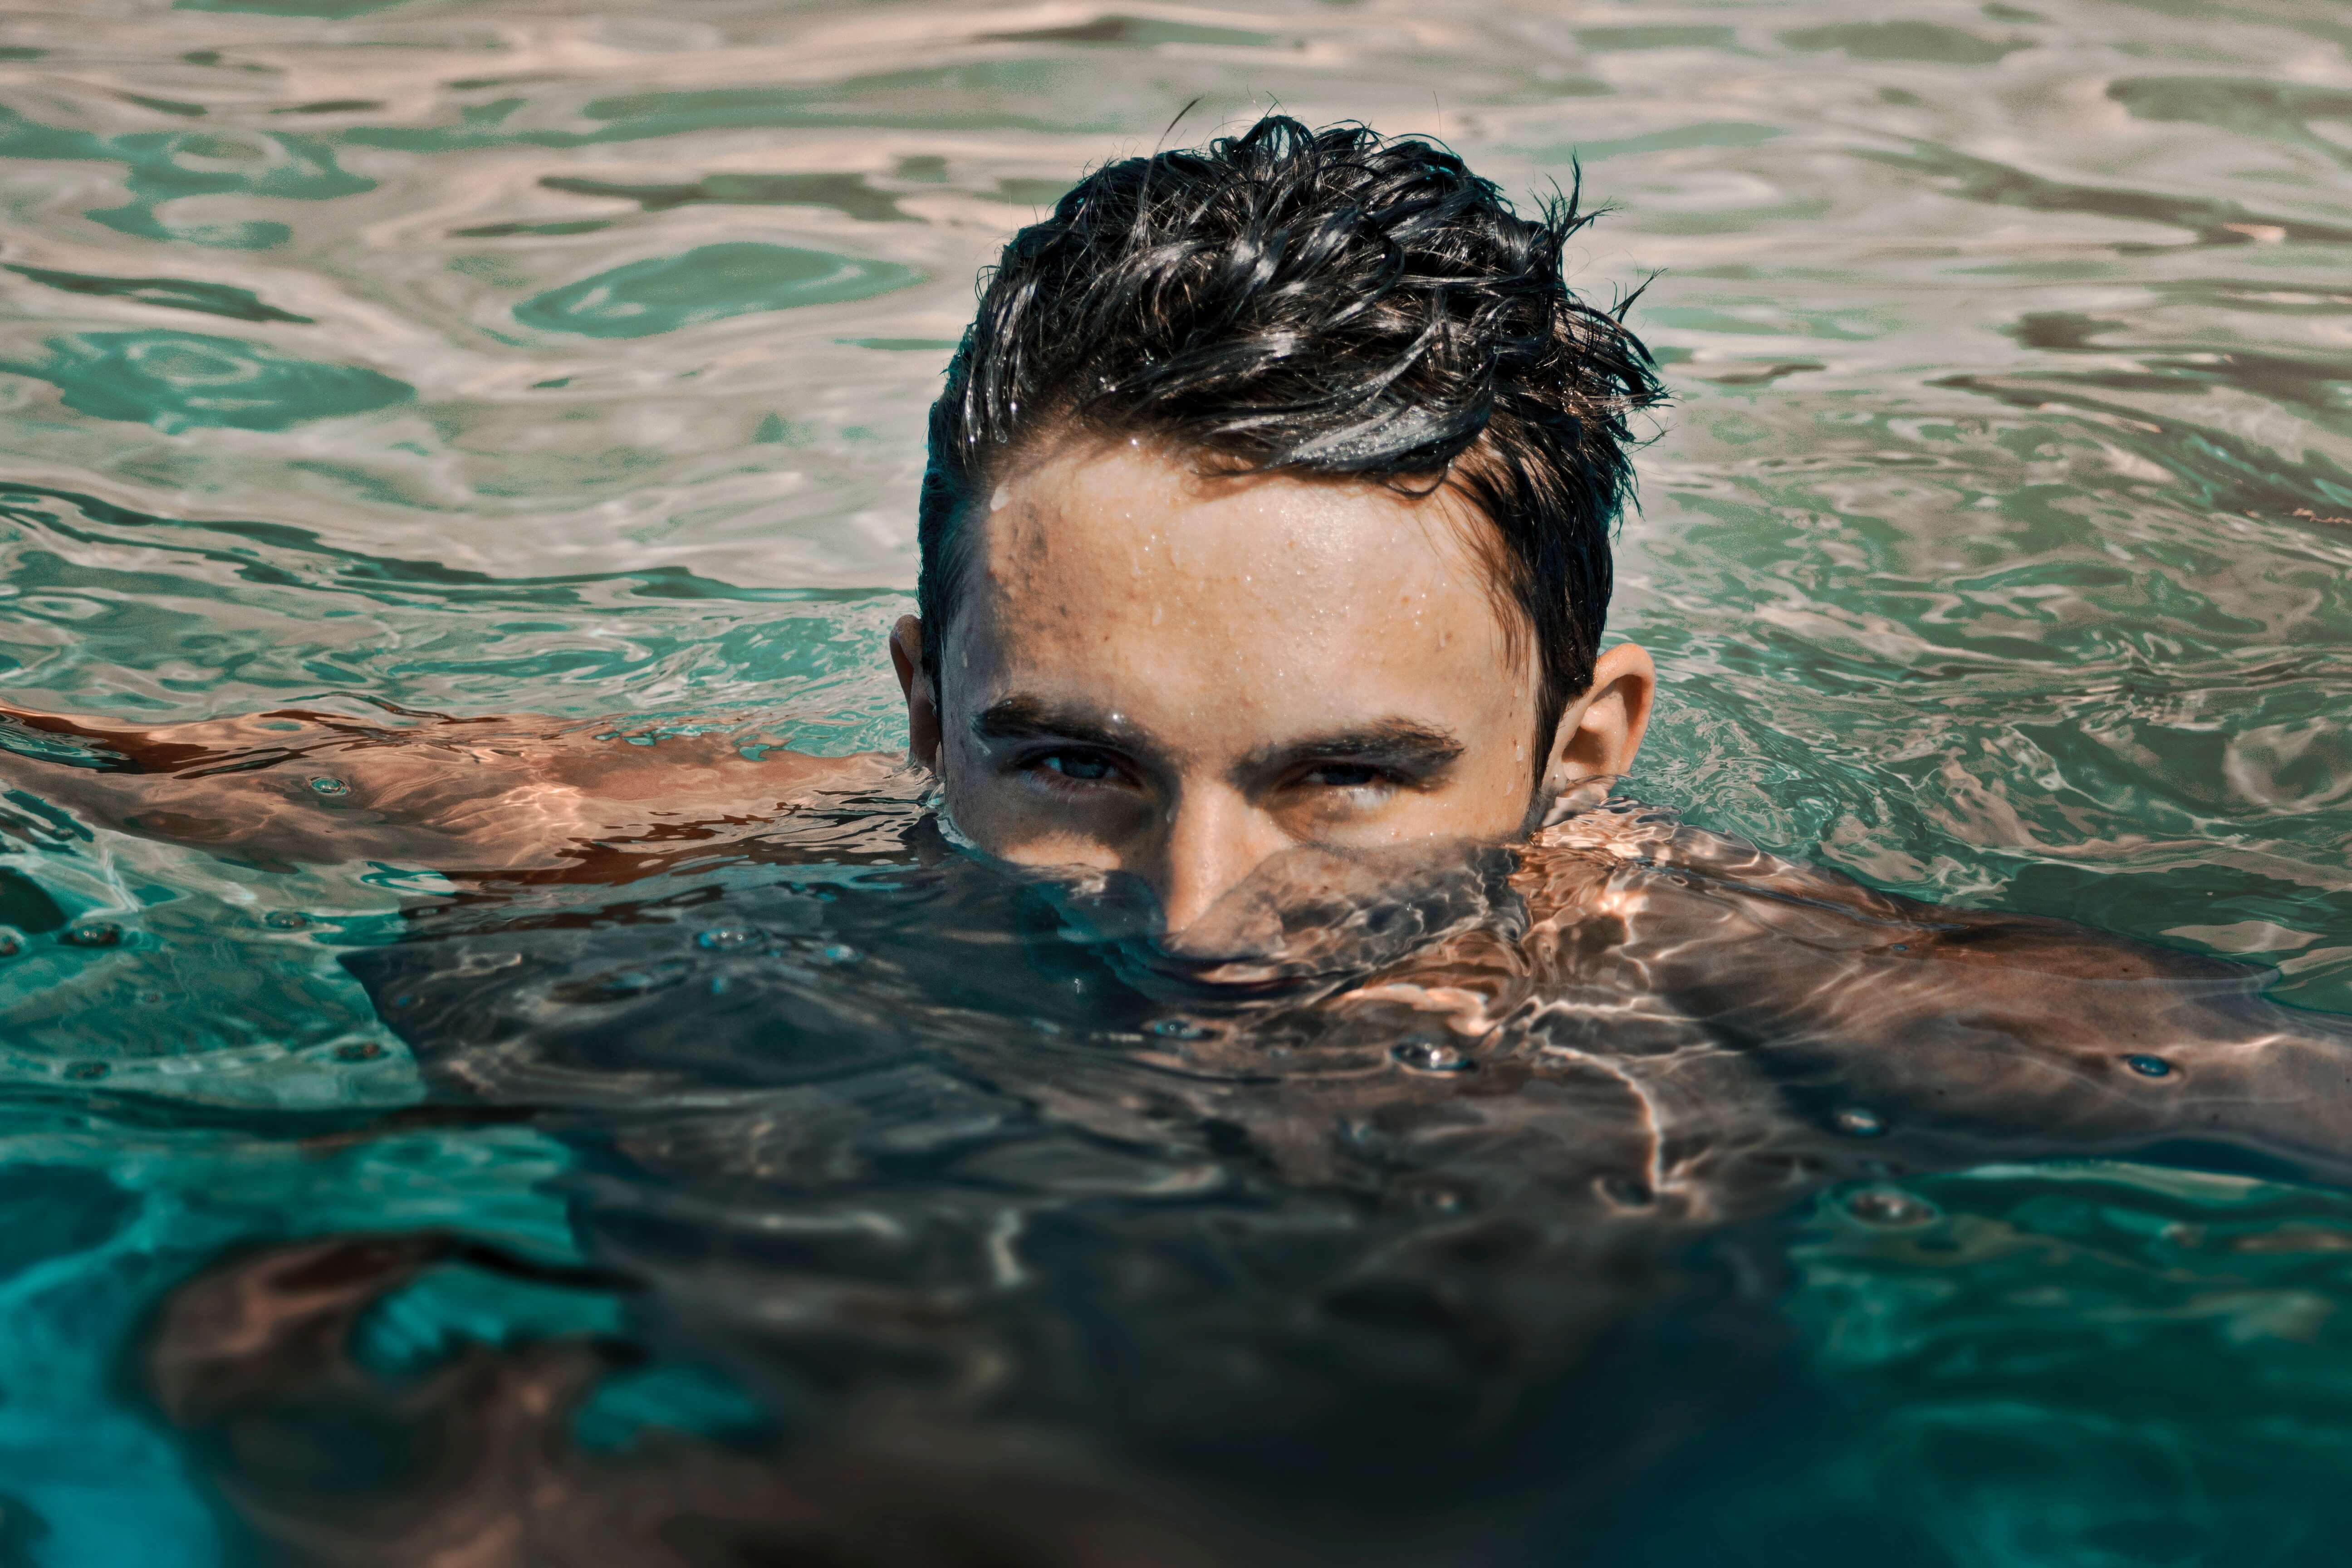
1264	542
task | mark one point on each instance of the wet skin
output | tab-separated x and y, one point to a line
1177	677
1232	695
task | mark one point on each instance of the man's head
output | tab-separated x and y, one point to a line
1268	504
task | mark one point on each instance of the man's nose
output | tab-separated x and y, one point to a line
1213	839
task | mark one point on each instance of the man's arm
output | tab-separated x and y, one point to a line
483	796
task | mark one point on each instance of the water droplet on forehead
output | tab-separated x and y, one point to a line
2149	1067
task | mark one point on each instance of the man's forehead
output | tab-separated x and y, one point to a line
1104	518
1247	606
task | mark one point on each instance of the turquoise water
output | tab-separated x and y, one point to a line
572	358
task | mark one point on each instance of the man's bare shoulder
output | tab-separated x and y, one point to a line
1625	859
1674	882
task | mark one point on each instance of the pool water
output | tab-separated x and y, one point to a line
824	1202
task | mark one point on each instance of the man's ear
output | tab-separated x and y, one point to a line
922	702
1601	730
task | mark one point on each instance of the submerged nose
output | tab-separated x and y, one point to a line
1214	840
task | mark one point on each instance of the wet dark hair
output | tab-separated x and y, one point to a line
1321	301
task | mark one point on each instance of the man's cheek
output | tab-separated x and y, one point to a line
1006	818
965	798
1488	803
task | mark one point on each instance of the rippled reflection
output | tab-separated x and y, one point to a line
540	356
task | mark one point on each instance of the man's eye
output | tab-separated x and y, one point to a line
1077	766
1346	775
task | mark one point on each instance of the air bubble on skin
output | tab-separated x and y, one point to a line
325	785
1626	1191
1891	1207
1856	1122
359	1051
1442	1199
621	985
840	953
11	944
1179	1029
98	933
2149	1067
1420	1054
730	938
284	920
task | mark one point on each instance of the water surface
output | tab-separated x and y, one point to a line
570	358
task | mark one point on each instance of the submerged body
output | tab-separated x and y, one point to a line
1104	1247
1716	987
1483	1163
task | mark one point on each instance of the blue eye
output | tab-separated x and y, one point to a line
1077	766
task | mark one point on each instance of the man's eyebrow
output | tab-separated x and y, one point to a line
1398	742
1021	717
